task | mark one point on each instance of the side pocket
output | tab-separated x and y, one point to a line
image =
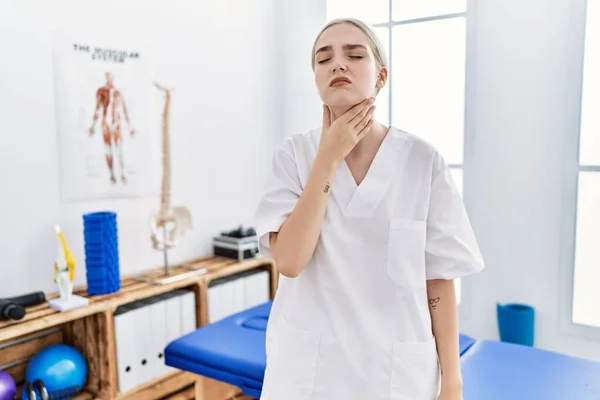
415	371
294	362
406	252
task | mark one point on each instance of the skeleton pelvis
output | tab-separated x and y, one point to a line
168	225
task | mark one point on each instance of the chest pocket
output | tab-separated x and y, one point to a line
406	252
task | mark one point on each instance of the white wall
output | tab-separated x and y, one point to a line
219	56
520	125
298	24
513	182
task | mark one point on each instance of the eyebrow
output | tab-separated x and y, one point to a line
346	47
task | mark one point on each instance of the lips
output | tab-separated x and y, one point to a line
340	82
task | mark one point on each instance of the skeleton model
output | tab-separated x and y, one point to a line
169	222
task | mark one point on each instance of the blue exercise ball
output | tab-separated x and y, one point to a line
61	368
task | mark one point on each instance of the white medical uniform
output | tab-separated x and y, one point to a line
355	323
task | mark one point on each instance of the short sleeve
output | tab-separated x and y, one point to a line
451	249
280	195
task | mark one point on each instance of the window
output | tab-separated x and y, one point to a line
585	227
426	91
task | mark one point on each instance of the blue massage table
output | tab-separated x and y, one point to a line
464	343
504	371
232	350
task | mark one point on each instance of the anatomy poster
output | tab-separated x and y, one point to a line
104	115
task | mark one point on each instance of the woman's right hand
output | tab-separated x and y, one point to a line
340	137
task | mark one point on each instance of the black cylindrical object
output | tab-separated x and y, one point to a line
14	307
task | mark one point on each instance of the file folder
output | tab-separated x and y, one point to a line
140	318
142	331
258	288
215	300
238	300
158	335
188	311
238	292
172	319
125	349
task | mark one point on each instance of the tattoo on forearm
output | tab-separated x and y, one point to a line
327	186
434	302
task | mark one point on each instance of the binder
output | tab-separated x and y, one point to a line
144	328
125	349
231	294
238	300
188	311
227	293
172	319
263	287
134	345
214	298
140	319
158	335
257	288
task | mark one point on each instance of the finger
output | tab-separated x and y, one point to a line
364	113
366	129
326	117
356	109
365	119
360	109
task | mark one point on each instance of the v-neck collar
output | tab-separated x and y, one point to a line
373	166
365	197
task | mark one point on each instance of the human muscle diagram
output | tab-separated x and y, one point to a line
111	108
108	142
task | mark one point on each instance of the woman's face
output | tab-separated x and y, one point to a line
346	72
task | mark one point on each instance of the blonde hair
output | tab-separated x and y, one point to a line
374	42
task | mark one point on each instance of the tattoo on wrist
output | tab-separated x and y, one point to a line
433	303
327	186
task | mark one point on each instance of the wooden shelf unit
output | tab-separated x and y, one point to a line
90	329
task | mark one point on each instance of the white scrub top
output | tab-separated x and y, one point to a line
355	323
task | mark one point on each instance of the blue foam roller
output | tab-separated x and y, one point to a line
101	252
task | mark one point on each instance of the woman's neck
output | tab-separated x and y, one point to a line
371	140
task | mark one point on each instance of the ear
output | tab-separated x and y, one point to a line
382	77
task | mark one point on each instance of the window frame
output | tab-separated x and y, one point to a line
469	112
571	173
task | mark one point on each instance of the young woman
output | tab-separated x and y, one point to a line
368	231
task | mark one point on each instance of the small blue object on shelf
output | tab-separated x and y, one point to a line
61	369
516	323
101	253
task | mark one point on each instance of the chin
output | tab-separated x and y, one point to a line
343	99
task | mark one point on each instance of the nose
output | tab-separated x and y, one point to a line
337	66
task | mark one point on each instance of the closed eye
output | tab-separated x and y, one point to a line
353	57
